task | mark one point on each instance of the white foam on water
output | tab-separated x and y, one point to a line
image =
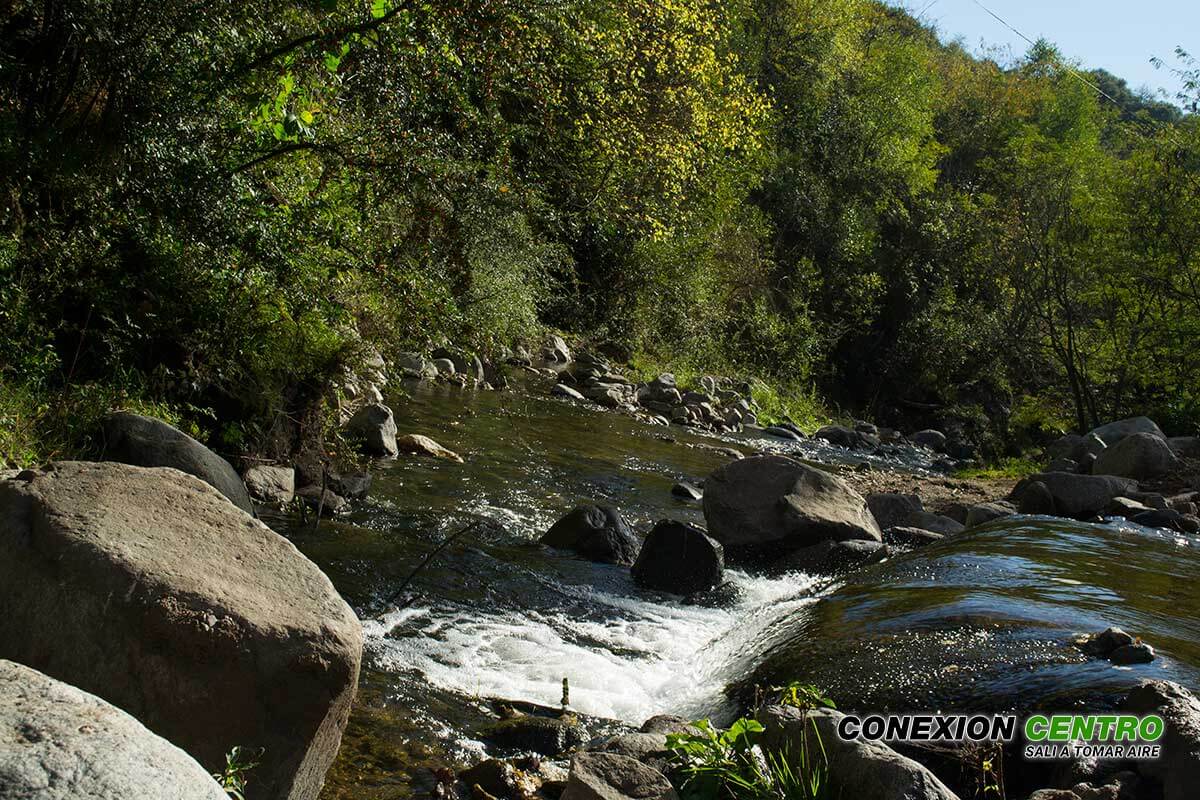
631	657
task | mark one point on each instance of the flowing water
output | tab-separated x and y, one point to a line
980	621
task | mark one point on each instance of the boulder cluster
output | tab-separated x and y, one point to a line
1101	475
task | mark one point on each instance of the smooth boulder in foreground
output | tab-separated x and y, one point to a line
769	505
60	743
147	588
148	442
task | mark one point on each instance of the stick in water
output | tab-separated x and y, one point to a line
445	543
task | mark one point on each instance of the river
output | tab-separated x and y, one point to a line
982	621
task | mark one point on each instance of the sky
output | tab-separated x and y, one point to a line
1120	36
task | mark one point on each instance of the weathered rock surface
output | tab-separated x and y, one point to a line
549	736
598	533
556	350
775	504
679	558
911	537
1138	456
857	769
1185	446
848	438
648	748
59	743
184	611
892	509
1179	768
147	442
607	776
416	444
375	426
274	485
1075	495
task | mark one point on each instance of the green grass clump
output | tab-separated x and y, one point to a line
1013	467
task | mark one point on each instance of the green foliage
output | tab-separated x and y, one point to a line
227	207
233	778
731	765
803	696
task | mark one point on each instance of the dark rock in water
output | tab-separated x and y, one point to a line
845	437
935	522
549	736
1078	496
351	485
679	558
891	509
1137	653
598	533
1125	507
930	440
830	557
856	769
1169	519
687	491
1178	770
328	504
768	505
911	537
783	433
1101	644
983	513
1138	456
607	776
147	442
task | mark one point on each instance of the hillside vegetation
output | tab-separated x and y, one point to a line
208	209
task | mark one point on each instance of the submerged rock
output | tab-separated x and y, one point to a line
598	533
983	513
562	390
856	769
148	442
774	504
607	776
911	537
679	558
60	743
830	557
1169	519
183	610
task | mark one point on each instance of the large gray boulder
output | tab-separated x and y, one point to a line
857	769
1138	456
375	427
608	776
148	589
148	442
1114	432
598	533
1179	767
59	743
1078	496
772	504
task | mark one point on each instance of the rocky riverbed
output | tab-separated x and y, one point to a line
496	543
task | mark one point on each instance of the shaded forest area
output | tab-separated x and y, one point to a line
210	208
